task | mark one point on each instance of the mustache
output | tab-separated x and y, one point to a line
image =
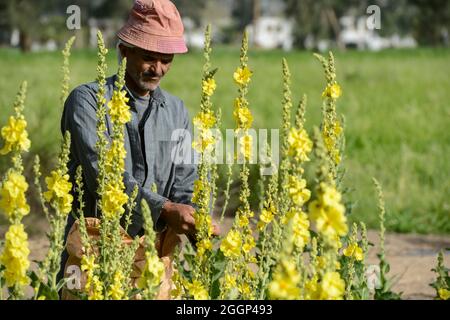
151	74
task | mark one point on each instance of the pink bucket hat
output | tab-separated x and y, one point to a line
154	25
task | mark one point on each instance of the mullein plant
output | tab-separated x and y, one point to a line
14	261
198	284
442	282
238	280
153	272
327	213
383	290
108	270
291	200
354	265
332	127
58	196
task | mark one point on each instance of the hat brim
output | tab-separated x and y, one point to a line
152	42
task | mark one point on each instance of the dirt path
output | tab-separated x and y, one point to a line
410	256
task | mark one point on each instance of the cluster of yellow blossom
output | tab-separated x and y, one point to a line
113	200
330	136
242	76
204	121
15	256
246	145
300	228
353	250
231	245
266	216
242	114
153	271
13	201
444	294
300	145
328	212
197	290
115	156
297	190
116	291
285	283
58	192
15	135
209	86
332	286
332	91
118	108
93	284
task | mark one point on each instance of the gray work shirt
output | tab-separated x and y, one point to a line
150	147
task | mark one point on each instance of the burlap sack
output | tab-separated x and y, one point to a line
166	242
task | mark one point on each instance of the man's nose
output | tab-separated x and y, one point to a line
157	67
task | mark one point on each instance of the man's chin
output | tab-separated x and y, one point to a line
150	86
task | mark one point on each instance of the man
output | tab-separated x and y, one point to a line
149	40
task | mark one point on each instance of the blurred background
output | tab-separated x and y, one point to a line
393	63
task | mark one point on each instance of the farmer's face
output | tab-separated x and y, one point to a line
146	68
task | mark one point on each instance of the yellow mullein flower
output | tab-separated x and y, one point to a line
330	221
312	289
208	86
353	250
300	145
203	246
244	289
265	217
328	212
12	193
116	291
198	187
444	294
297	191
246	144
97	289
333	91
300	229
153	272
197	290
58	192
113	200
115	156
332	287
204	141
118	108
230	281
15	256
330	196
243	117
249	243
15	135
231	245
242	76
204	120
285	282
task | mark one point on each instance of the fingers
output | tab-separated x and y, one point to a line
216	229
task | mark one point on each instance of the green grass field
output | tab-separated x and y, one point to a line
396	105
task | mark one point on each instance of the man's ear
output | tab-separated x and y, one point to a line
123	51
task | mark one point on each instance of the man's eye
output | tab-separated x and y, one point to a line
150	59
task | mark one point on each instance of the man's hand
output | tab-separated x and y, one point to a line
180	217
